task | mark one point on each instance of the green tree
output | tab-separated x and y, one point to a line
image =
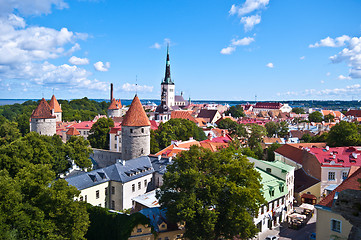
23	123
283	131
235	111
320	138
99	133
298	110
272	128
255	137
79	151
154	146
8	131
216	194
175	129
271	151
315	117
344	134
306	138
329	117
236	130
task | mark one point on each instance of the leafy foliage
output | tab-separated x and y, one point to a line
298	110
235	111
271	151
255	137
175	129
344	134
315	117
99	133
216	194
279	129
329	118
106	225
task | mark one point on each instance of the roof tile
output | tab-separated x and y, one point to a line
55	105
136	116
43	110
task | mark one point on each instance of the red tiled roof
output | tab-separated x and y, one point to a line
349	183
354	113
219	132
183	115
72	131
115	130
55	105
154	125
135	116
268	105
213	146
83	125
43	110
299	133
340	156
115	104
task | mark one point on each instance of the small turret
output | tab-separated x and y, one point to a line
43	119
57	108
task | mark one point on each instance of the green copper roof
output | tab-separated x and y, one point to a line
279	165
167	78
272	186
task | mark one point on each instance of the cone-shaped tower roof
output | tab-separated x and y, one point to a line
115	104
43	110
136	116
55	105
167	78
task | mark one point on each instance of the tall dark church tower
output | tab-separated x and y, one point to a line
167	85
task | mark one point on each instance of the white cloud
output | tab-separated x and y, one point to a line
139	88
250	22
330	42
302	58
236	42
78	61
328	93
328	74
342	77
248	6
228	50
100	66
30	7
322	81
242	42
270	65
156	46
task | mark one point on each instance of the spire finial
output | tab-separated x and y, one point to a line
136	84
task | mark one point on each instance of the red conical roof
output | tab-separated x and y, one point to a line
135	116
43	110
115	104
55	105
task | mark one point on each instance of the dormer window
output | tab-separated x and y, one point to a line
268	170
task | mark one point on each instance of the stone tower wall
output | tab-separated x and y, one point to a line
135	142
115	112
170	94
58	116
43	126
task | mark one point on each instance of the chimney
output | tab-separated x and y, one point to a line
111	92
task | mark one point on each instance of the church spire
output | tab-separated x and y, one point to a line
167	78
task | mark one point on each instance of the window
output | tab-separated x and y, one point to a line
282	200
86	199
142	130
272	193
268	170
131	130
81	198
97	194
106	191
139	185
344	175
145	183
331	176
113	190
282	188
133	187
113	205
262	209
139	230
335	225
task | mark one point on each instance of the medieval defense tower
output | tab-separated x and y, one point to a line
43	119
115	108
57	108
135	132
167	85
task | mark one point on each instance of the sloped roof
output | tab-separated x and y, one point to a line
132	169
303	180
291	152
354	113
205	113
299	133
183	115
269	105
115	104
349	183
43	110
55	105
135	116
72	131
213	146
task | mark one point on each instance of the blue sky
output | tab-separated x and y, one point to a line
219	50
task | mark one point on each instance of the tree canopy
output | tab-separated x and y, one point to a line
315	117
175	129
99	133
344	134
235	111
216	194
235	129
298	110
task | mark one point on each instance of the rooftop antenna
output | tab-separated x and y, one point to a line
255	97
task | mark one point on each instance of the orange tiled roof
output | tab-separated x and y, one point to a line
43	110
136	116
183	115
213	146
72	131
55	105
177	147
115	104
